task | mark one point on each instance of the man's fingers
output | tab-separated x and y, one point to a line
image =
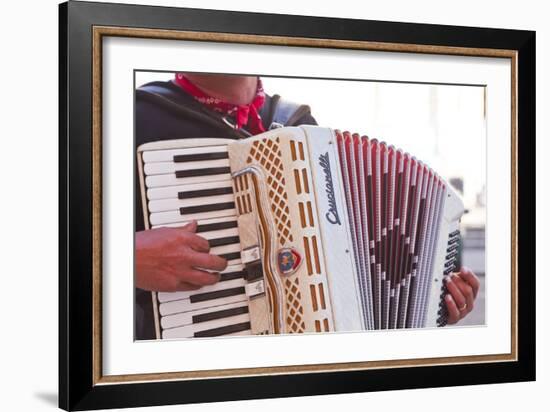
466	291
196	242
470	278
190	227
454	313
458	298
200	277
208	261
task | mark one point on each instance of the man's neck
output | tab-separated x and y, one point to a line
231	89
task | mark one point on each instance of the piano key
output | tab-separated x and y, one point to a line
217	294
223	330
236	274
223	241
170	154
161	168
183	191
164	297
205	225
204	300
220	234
203	193
171	179
164	205
213	328
204	315
200	156
203	208
207	171
174	216
214	226
232	258
220	314
230	252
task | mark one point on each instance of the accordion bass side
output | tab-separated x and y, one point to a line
323	231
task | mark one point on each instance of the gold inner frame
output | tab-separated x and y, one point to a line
100	31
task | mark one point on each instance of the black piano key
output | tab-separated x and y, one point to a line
210	227
206	208
222	241
205	192
224	330
201	297
203	172
231	256
232	275
219	314
197	157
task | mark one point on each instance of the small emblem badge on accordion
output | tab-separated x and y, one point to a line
289	260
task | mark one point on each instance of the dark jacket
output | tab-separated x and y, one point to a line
164	111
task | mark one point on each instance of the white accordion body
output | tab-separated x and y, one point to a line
323	231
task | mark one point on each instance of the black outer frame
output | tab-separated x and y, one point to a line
76	388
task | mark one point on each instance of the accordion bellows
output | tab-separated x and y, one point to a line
323	231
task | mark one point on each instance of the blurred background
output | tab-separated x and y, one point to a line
442	125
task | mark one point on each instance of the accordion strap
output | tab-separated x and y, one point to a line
283	112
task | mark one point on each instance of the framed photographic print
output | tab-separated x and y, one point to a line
257	205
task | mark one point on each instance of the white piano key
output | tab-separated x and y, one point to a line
199	222
171	167
219	234
168	155
164	297
172	180
189	330
175	216
185	305
183	319
171	192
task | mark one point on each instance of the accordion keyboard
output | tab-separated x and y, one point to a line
194	183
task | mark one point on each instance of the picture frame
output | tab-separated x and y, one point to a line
83	27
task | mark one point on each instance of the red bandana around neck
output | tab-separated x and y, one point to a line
244	114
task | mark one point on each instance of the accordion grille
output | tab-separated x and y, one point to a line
268	153
294	312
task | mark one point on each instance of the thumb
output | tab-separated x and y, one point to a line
190	227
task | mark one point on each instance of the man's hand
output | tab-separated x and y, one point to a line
172	259
463	287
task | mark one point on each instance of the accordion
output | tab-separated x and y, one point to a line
322	230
